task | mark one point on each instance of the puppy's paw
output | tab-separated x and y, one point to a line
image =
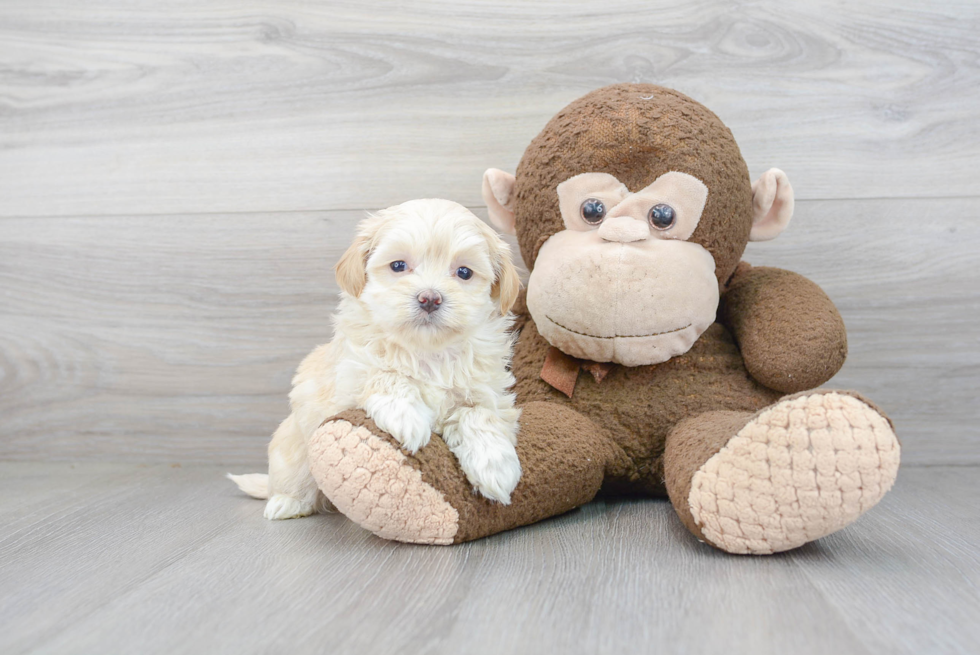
410	423
282	506
490	463
496	473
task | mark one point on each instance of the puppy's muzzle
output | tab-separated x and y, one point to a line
429	300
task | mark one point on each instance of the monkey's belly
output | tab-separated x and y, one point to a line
638	406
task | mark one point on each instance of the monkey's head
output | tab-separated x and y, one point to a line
632	209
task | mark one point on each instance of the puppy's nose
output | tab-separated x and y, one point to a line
429	300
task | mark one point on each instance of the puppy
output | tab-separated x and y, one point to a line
421	343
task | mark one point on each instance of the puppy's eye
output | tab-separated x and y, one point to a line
399	266
662	216
593	211
464	273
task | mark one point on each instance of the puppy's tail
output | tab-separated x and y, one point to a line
255	485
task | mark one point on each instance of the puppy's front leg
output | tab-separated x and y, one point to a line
483	441
395	404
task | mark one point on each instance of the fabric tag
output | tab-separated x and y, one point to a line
560	371
599	370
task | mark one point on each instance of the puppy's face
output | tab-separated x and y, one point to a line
429	272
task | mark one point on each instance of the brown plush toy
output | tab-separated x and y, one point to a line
650	360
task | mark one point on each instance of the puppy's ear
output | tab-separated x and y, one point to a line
507	284
351	270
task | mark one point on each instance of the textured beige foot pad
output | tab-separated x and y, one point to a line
800	470
373	484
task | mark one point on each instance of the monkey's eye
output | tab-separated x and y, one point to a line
464	273
662	216
593	211
399	266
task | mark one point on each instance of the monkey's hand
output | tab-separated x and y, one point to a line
790	333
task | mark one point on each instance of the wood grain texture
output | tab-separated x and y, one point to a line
115	107
161	339
163	560
189	328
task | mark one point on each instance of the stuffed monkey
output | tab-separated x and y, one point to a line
651	360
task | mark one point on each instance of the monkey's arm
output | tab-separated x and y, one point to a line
790	333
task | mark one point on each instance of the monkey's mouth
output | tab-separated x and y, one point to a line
617	336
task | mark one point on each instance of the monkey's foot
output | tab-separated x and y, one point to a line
798	470
373	483
425	498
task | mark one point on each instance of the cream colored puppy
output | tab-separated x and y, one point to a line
421	343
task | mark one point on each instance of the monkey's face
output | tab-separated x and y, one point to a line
625	277
622	283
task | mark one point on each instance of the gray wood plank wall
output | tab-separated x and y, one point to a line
176	182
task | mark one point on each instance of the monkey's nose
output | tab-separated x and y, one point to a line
429	300
624	229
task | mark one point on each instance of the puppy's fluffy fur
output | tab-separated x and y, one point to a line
413	371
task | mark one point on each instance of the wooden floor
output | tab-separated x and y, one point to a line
120	558
177	181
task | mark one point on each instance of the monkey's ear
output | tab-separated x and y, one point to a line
772	205
498	193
